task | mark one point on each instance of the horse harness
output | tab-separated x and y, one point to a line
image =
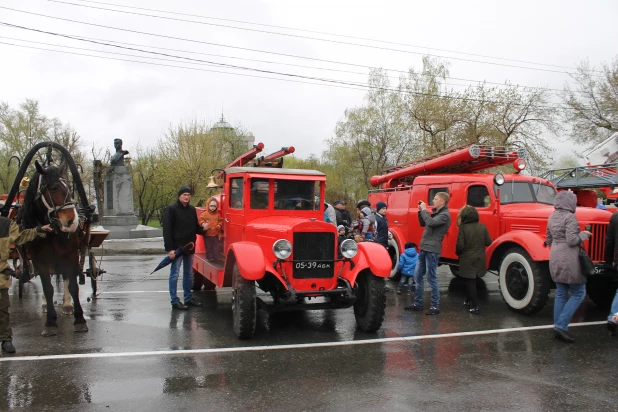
50	206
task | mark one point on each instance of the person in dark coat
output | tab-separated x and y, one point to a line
343	215
180	226
610	259
472	239
381	235
564	237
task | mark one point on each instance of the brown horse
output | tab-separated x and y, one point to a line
48	201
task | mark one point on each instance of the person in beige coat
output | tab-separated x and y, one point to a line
11	235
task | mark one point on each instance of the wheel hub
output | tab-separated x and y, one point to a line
517	282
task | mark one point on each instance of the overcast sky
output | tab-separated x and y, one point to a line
104	99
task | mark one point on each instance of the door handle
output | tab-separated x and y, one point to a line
227	220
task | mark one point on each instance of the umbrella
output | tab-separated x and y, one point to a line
167	260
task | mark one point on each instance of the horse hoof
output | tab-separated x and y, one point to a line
67	310
49	331
80	327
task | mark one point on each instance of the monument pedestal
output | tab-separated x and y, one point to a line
119	214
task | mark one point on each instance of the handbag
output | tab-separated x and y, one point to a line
585	263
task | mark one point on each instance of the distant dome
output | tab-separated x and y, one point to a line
222	124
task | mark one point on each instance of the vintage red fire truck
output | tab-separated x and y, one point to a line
514	207
275	239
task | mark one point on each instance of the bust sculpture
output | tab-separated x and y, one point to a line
117	158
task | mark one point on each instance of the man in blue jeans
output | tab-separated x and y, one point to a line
612	319
180	226
436	226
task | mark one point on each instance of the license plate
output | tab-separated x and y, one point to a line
599	270
312	265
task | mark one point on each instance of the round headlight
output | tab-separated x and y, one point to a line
349	248
282	249
499	179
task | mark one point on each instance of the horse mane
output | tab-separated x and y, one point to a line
29	213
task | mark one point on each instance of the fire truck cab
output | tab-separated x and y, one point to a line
275	239
514	207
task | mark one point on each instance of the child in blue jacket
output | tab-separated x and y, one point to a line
407	266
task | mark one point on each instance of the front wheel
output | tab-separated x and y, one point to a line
244	308
370	303
524	283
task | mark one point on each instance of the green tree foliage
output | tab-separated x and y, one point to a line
24	127
592	103
422	116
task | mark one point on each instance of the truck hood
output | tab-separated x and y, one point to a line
543	211
283	226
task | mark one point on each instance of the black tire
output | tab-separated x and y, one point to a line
94	273
601	293
524	283
393	252
454	270
370	304
198	281
244	308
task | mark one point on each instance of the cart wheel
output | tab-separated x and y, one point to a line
93	283
94	273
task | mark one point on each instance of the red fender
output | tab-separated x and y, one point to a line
398	237
250	260
531	242
370	255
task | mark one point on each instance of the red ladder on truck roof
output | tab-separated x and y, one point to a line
467	158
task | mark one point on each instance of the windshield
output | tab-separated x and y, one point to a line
296	194
526	192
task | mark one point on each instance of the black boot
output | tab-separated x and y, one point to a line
563	335
7	346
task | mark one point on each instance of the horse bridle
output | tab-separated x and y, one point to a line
52	208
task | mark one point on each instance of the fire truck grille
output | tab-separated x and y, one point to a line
313	255
596	244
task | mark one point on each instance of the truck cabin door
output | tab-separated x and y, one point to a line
234	219
477	195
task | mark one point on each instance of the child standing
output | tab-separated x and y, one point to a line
11	235
212	224
472	240
407	266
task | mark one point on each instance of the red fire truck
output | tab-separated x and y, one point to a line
275	238
514	207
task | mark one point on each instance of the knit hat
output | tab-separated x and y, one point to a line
380	206
361	204
340	228
184	189
366	211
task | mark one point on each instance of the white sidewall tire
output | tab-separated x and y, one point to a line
515	257
393	243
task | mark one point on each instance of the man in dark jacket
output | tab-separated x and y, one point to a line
343	215
436	226
381	225
180	226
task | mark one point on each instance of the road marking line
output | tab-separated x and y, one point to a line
286	347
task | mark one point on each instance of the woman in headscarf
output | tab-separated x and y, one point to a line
564	237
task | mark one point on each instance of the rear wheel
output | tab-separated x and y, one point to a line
524	283
370	301
198	280
243	305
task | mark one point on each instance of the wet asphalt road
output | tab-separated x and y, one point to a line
412	367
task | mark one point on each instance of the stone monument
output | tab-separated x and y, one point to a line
119	213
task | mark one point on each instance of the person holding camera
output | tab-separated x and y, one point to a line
436	225
564	237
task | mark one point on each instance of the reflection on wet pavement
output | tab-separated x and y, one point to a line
522	370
